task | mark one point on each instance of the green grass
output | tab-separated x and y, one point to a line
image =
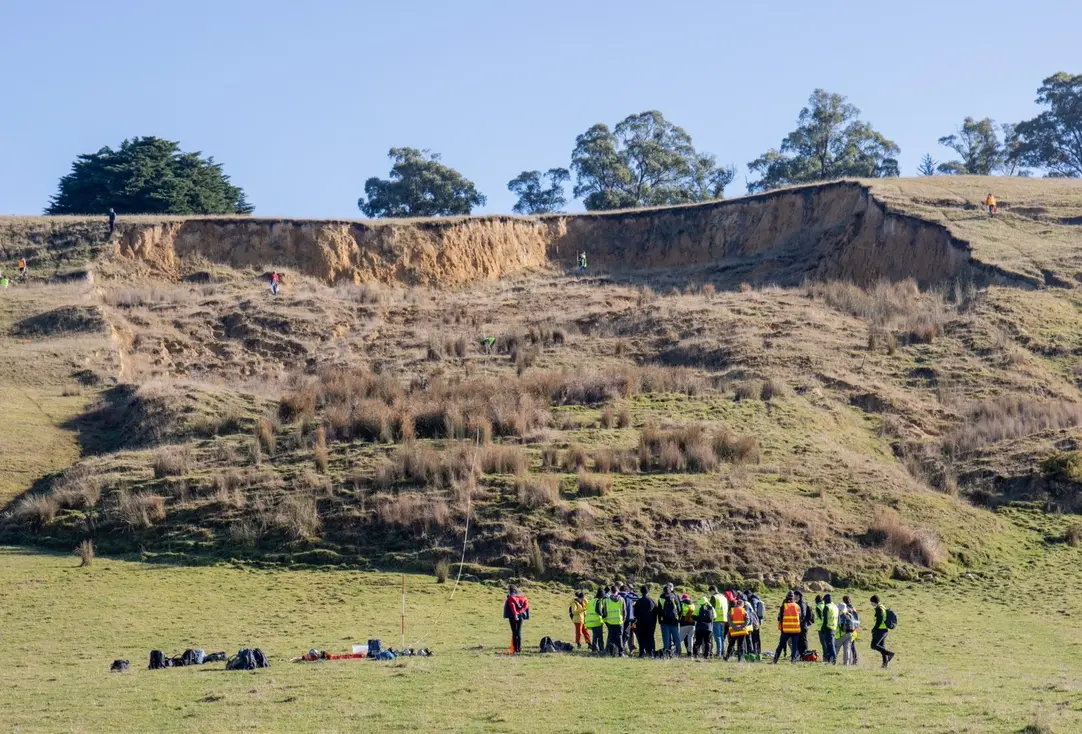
987	656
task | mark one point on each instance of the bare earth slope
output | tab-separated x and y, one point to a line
694	412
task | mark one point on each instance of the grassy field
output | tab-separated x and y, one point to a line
988	656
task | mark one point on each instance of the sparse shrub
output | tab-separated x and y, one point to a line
1073	536
479	429
536	491
1010	416
1064	466
501	459
266	431
700	458
550	458
412	510
608	417
747	390
77	490
736	449
85	551
313	484
299	404
889	531
36	509
772	388
575	458
372	420
297	516
141	509
418	462
623	417
172	461
537	559
746	288
709	291
407	430
320	454
242	532
442	571
594	485
604	461
671	459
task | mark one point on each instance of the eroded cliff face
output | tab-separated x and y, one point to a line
836	230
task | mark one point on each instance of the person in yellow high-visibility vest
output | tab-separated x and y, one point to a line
721	606
828	630
613	615
595	622
739	629
789	625
990	202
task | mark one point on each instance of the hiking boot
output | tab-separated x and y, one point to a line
889	658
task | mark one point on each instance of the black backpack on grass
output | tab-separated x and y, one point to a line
157	660
119	666
244	660
546	645
260	659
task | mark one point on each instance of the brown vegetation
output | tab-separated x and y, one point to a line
915	546
594	485
1010	416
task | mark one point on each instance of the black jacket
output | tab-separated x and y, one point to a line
672	616
645	612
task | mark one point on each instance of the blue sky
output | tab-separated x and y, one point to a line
301	101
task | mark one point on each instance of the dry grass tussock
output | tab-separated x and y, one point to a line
1009	416
139	509
538	490
172	461
594	485
85	551
694	448
357	404
77	489
915	546
500	459
418	463
918	317
296	516
413	510
35	509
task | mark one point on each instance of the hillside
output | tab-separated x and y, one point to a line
849	381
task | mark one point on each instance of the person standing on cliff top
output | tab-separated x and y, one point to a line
112	221
274	283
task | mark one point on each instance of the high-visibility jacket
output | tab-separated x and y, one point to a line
687	613
881	617
790	619
22	263
577	611
819	612
593	613
614	611
738	622
830	617
721	606
990	201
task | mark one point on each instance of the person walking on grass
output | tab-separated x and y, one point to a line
582	263
577	612
789	624
704	627
880	631
22	270
687	623
274	283
807	619
990	202
828	630
646	611
739	629
516	610
595	621
721	609
112	222
668	614
614	622
846	631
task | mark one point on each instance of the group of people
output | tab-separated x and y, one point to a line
616	620
23	272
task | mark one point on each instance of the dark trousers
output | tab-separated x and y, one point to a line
755	642
629	637
703	642
879	644
802	642
616	639
739	643
826	639
112	226
516	635
792	639
646	640
597	638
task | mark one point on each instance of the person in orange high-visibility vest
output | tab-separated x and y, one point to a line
789	626
990	202
739	629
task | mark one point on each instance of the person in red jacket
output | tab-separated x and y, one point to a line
516	610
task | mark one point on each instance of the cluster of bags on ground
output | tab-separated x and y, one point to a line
246	659
372	651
